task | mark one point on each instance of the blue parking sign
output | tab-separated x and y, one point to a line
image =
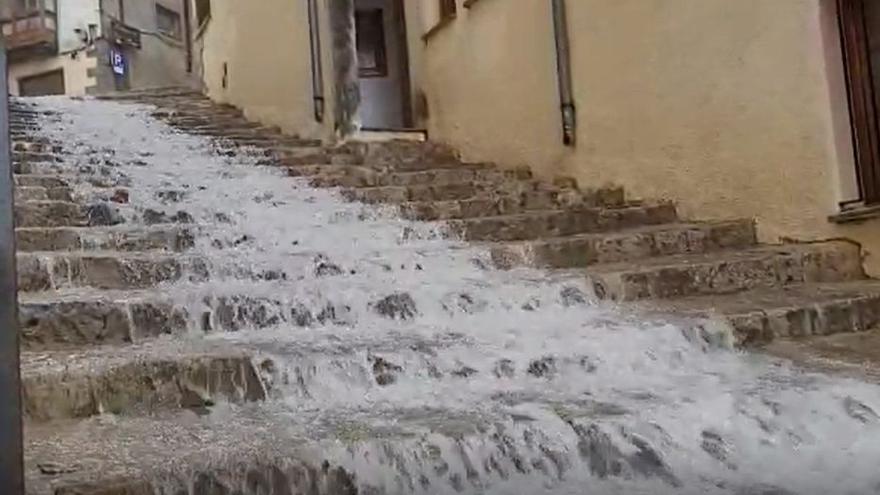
117	61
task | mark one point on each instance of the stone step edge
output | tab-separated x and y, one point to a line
655	277
511	254
136	379
826	309
271	450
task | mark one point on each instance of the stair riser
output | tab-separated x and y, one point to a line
73	324
396	195
613	248
561	223
47	182
25	146
439	177
509	205
41	273
141	387
50	214
250	475
829	265
760	328
72	239
43	194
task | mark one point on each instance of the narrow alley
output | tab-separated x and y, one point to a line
211	307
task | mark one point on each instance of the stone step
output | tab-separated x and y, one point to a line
275	450
36	146
40	168
356	177
50	214
727	272
501	202
765	314
33	156
43	271
128	380
75	318
853	355
37	193
557	223
46	181
400	194
305	156
533	194
624	245
174	238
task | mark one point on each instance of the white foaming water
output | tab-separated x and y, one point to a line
609	401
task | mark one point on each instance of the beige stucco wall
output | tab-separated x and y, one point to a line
76	72
730	108
265	45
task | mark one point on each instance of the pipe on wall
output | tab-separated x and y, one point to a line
317	65
563	73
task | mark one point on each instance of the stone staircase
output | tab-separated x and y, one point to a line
629	250
105	380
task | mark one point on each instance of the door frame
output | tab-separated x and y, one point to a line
862	98
397	10
405	77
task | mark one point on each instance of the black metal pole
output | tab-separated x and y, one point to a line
317	64
563	73
11	464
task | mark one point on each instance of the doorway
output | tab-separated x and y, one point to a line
860	30
383	65
45	84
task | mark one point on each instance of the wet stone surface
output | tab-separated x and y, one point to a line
399	360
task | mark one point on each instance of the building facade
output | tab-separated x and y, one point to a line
764	109
79	47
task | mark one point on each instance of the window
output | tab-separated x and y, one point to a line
203	11
447	9
168	21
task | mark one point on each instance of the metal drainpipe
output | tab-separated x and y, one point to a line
317	66
563	73
11	470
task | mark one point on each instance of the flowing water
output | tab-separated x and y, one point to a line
573	396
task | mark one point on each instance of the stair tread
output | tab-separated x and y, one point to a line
711	258
102	253
89	294
101	449
856	355
91	360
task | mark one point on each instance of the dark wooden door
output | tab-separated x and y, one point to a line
49	83
860	29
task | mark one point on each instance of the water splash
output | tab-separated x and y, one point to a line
357	316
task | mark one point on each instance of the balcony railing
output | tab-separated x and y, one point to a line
30	28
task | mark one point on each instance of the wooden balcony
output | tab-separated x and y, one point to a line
30	30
